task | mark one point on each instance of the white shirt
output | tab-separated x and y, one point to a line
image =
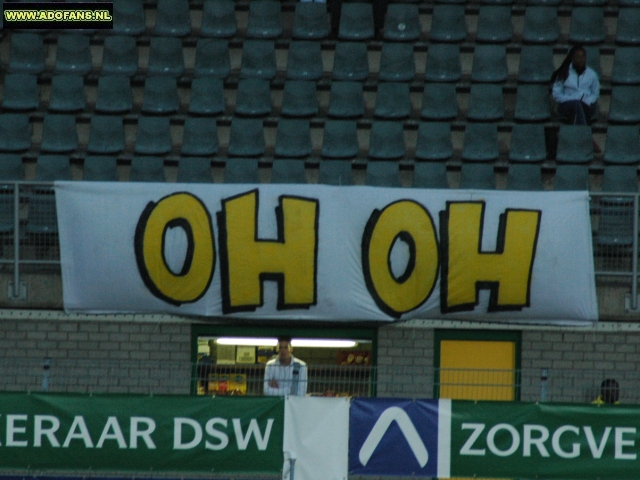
584	87
284	375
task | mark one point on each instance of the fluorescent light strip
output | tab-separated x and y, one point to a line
296	342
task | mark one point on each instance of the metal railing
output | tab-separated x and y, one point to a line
28	229
29	233
614	221
166	377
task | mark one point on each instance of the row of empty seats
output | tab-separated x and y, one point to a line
253	97
616	178
402	22
305	60
340	139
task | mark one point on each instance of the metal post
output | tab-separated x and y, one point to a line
634	259
16	241
46	373
544	375
292	463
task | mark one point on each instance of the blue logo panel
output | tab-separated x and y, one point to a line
393	437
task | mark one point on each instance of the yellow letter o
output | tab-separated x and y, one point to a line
189	213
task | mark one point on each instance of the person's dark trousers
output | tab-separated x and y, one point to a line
379	12
576	111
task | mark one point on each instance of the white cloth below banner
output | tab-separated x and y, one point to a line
316	435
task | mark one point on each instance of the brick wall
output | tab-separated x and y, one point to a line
577	361
405	362
95	356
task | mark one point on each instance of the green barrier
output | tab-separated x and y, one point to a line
141	433
501	439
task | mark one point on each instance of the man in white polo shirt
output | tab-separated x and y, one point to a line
285	374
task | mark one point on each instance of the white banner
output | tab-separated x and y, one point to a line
318	252
316	435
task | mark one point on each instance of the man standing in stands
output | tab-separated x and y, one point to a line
285	374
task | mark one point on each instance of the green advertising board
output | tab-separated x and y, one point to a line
507	439
141	433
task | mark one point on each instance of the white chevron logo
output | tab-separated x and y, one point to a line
390	415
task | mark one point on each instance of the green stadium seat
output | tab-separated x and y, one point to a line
206	96
288	171
27	53
128	17
73	55
541	24
258	59
147	169
489	64
536	64
304	61
439	101
200	137
265	20
402	22
626	66
383	174
480	142
623	145
396	62
106	134
120	56
194	170
310	21
587	25
533	103
293	138
430	175
572	177
212	58
166	57
299	98
219	19
477	176
20	92
59	133
387	140
434	141
575	144
15	132
241	170
346	100
393	101
351	62
335	172
494	24
160	95
525	177
486	102
448	24
340	139
627	32
153	136
527	143
356	22
246	138
114	94
100	168
624	106
443	63
173	18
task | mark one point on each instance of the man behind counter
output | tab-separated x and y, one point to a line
285	374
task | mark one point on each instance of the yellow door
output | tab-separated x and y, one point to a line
477	369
